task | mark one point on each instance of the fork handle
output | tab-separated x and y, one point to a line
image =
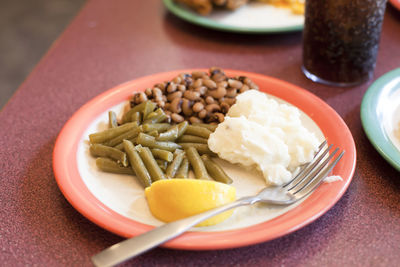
135	246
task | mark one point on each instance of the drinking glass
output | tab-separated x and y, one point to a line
341	39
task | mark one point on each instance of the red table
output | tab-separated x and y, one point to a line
112	42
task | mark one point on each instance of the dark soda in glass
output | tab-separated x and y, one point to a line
341	39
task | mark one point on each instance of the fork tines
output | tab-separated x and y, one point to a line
311	176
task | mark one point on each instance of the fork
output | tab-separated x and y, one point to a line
303	184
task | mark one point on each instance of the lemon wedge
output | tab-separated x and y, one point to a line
174	199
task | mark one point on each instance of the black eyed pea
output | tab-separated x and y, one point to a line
198	107
186	107
142	97
191	95
210	84
160	104
197	83
222	84
175	106
235	83
211	108
202	114
244	88
198	74
231	92
201	89
148	92
177	80
224	107
218	77
218	93
181	88
219	117
184	76
171	87
160	86
230	100
210	100
194	119
157	93
177	118
246	80
177	94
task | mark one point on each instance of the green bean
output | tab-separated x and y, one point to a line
200	171
136	117
198	131
120	146
128	115
108	165
182	127
155	116
160	127
110	133
127	135
201	148
150	115
210	127
162	164
162	154
148	108
183	171
149	141
99	150
112	119
137	164
177	151
150	163
215	171
186	138
169	135
153	133
174	166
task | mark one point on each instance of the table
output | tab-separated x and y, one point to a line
110	43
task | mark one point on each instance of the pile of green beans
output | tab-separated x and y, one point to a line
146	145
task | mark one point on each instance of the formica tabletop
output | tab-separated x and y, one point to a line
111	42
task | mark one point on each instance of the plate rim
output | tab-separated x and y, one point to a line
395	3
369	119
209	23
97	212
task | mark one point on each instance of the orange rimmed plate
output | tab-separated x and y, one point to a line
72	185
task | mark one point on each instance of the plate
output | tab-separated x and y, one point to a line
76	191
395	3
251	18
380	116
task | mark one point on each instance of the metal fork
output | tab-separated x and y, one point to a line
303	184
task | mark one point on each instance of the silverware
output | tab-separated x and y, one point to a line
305	182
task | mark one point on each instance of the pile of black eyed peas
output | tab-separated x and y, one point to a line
145	144
197	97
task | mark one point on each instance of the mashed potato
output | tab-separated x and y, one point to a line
258	131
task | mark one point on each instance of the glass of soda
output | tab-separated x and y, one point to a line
341	39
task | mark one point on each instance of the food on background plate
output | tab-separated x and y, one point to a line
258	131
171	200
296	6
205	7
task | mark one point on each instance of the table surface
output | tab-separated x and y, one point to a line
108	44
